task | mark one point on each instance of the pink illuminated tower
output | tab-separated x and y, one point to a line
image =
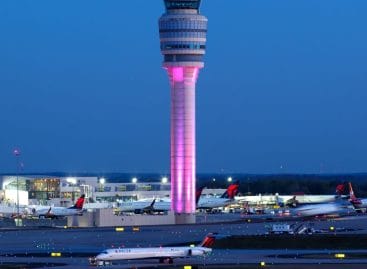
182	32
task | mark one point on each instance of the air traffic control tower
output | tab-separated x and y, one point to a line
182	32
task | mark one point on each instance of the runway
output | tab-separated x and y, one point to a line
35	245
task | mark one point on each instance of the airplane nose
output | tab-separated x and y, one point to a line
208	251
99	257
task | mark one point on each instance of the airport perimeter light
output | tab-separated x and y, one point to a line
164	180
134	180
71	180
229	179
101	182
16	153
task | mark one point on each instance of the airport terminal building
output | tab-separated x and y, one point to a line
63	191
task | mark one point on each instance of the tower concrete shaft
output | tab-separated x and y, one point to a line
182	33
183	148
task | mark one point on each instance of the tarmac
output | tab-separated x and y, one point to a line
32	246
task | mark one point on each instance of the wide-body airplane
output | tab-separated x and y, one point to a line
57	212
163	254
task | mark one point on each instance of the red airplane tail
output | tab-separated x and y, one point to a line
79	203
231	191
351	192
208	241
352	198
340	189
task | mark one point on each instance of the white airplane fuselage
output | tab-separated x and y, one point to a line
45	211
272	199
142	205
162	206
151	253
132	206
204	203
7	211
213	202
324	209
361	205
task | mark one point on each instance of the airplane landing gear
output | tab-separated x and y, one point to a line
166	260
94	262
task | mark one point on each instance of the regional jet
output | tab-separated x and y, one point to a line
163	254
57	212
226	199
164	205
145	206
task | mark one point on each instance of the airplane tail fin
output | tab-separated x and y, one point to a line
208	241
48	213
293	202
231	191
152	204
351	192
340	189
198	194
79	203
352	197
148	209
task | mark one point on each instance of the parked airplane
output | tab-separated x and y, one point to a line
145	206
338	208
284	200
8	211
359	204
297	200
163	254
215	202
164	205
56	212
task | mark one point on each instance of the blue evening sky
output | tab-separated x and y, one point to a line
283	89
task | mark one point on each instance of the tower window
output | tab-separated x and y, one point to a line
182	4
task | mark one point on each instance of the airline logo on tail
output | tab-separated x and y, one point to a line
79	203
351	192
353	199
340	189
208	241
231	191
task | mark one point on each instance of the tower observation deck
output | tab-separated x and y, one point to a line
182	31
